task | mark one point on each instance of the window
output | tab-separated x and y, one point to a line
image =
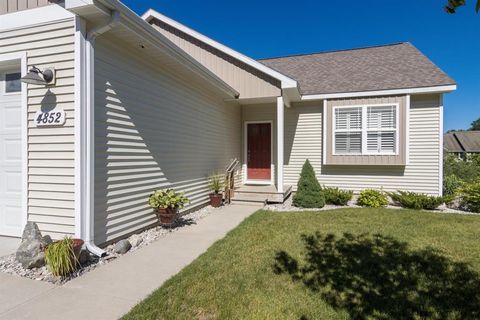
13	82
365	129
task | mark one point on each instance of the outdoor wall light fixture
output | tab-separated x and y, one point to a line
38	77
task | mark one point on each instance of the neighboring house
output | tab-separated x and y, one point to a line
462	143
147	103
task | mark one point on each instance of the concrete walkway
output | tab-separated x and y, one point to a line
110	291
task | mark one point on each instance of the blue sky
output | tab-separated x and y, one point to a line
262	29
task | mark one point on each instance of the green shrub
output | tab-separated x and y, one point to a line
309	193
337	196
416	201
451	185
167	198
372	198
471	196
215	183
60	257
467	170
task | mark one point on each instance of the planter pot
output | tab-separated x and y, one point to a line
167	216
77	247
216	199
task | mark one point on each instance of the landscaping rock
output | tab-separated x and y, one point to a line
31	251
122	246
135	240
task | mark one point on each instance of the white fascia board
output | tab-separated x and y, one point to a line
285	81
421	90
33	17
135	23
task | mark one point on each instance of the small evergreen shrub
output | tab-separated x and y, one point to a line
372	198
309	193
416	201
451	185
337	196
471	196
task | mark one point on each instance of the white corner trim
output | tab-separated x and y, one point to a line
21	59
286	81
324	131
407	130
440	149
33	17
436	89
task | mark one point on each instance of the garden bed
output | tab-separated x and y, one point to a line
9	265
288	206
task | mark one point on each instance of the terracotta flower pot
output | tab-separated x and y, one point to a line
167	216
77	247
216	199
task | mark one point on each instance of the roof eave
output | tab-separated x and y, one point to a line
135	23
286	82
416	90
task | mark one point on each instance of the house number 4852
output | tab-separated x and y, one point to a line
50	118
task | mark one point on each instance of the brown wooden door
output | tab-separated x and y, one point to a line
259	139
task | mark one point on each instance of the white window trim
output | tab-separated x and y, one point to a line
364	131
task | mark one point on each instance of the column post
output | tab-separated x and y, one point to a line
280	142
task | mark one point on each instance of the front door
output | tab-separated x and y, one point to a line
10	152
259	155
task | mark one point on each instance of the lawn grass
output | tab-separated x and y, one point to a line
338	264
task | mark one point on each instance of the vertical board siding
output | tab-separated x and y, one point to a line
249	82
303	140
50	150
9	6
153	130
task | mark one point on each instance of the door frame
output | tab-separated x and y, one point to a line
245	152
21	59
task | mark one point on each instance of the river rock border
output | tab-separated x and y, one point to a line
9	265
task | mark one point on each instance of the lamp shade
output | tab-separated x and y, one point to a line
34	76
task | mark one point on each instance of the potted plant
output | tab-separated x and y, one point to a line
216	197
166	203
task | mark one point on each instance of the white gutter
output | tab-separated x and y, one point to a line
420	90
89	133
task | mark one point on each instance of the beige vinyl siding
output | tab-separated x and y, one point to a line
8	6
249	82
303	132
50	150
153	130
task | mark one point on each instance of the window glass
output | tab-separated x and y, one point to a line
12	82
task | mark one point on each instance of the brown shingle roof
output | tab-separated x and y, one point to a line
451	144
462	141
396	66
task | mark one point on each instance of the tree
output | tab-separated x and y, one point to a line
453	5
475	125
309	193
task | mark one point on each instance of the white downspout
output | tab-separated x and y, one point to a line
89	113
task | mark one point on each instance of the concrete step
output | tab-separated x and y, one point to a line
253	198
